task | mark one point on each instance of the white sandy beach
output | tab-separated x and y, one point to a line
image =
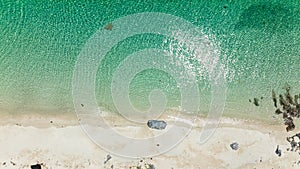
59	143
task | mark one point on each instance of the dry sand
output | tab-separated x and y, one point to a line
59	143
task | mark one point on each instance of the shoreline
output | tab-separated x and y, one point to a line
40	120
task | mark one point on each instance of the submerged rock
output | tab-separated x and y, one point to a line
234	146
271	17
157	124
109	26
255	102
282	101
278	111
274	98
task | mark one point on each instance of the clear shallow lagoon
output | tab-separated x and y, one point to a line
258	42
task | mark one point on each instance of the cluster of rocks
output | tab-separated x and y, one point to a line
143	164
294	142
290	107
256	101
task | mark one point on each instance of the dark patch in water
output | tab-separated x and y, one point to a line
109	26
256	102
266	16
278	111
274	98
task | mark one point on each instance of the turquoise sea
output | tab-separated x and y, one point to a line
257	41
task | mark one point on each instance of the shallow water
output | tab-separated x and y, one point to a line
257	42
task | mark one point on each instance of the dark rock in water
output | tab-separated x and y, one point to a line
284	115
278	111
156	124
278	151
36	166
289	98
256	102
109	26
282	101
296	97
234	146
274	98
